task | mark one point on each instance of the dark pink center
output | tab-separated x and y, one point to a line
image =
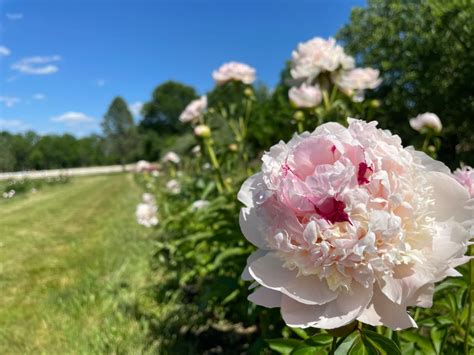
332	210
362	173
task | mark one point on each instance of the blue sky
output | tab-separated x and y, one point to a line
62	62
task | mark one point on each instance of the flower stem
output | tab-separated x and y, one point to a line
469	300
333	346
300	127
216	166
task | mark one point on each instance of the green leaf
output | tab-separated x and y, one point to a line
300	332
382	344
307	350
421	343
283	346
346	345
319	339
438	337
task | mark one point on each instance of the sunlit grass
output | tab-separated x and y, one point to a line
72	262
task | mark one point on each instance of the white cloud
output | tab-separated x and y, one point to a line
72	117
37	65
14	16
100	82
136	108
13	125
9	101
4	51
39	96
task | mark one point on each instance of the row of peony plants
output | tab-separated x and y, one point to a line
355	243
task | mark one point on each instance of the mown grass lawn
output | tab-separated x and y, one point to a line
72	262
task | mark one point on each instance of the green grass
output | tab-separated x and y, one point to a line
72	263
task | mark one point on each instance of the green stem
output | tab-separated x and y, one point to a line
300	127
215	164
326	100
333	346
396	339
469	300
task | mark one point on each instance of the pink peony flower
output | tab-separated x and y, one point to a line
349	226
234	71
316	56
173	186
146	214
305	96
171	157
465	176
194	110
426	120
142	166
358	79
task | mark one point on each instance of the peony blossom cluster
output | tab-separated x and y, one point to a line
146	211
8	194
194	111
234	71
349	225
425	121
171	157
465	176
312	60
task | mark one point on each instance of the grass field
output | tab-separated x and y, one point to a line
72	260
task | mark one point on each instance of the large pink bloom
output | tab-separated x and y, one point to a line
350	225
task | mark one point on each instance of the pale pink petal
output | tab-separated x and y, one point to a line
382	311
265	297
269	272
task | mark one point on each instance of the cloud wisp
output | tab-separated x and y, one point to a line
4	51
136	108
14	16
13	125
39	96
9	101
39	65
72	117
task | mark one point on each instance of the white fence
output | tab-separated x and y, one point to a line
41	174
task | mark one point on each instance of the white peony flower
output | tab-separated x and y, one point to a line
426	120
142	166
305	96
234	71
171	157
194	110
316	56
199	204
357	79
146	214
173	186
148	198
349	225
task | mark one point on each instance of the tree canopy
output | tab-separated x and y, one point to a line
425	52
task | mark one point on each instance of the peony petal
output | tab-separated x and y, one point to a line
403	284
343	310
269	272
450	198
381	311
252	257
265	297
249	223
